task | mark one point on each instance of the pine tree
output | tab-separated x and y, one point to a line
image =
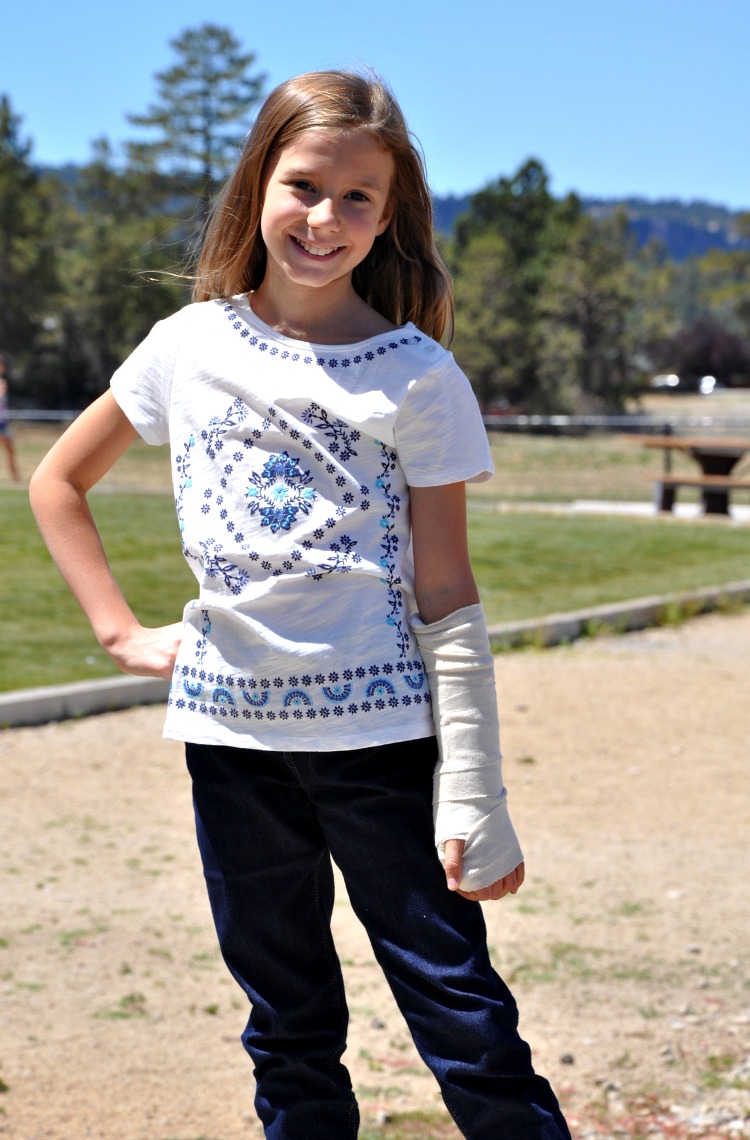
121	272
203	108
27	273
586	345
504	245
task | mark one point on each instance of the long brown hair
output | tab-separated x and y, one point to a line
403	276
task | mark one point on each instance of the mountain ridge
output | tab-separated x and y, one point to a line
684	228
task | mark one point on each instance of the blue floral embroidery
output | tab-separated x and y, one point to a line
389	546
295	698
280	495
341	560
261	345
341	435
222	697
257	700
212	437
337	692
237	412
202	645
282	699
184	483
216	565
380	688
280	492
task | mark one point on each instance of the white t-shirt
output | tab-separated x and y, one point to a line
291	466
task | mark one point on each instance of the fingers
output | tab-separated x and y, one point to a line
508	885
452	863
148	652
520	875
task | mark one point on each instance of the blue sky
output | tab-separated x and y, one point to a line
615	97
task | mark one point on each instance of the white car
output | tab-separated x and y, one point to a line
665	380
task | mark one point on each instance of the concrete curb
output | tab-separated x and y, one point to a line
26	707
82	698
618	617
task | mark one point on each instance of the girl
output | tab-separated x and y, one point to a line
321	439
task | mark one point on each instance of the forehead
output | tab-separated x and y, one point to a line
353	154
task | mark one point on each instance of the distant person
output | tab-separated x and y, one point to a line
318	429
5	434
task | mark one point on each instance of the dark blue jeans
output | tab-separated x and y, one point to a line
268	824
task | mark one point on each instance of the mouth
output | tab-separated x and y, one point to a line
317	250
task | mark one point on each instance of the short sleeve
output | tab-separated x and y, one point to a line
439	432
142	384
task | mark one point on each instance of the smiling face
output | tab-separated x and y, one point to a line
327	197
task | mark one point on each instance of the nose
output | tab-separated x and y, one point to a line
322	215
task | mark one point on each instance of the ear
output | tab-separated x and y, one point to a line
385	220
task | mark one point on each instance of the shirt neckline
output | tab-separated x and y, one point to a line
245	312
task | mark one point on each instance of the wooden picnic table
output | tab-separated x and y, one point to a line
717	458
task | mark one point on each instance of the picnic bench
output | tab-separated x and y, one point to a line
717	458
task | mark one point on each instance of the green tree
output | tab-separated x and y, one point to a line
118	257
653	317
585	342
532	222
725	283
27	259
490	342
202	109
503	248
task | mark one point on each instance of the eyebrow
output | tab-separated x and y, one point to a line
367	182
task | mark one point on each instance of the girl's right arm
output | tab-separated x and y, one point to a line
79	459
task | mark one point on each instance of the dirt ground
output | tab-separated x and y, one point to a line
628	948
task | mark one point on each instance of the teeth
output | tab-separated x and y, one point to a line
317	251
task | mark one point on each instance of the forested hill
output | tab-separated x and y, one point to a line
685	229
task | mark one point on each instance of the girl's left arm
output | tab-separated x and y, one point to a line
444	584
443	578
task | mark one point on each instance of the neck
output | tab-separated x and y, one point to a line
322	316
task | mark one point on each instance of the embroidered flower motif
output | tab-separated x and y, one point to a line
257	700
218	426
337	692
222	697
380	688
295	698
184	482
331	362
280	492
340	434
216	565
389	546
273	698
341	560
202	643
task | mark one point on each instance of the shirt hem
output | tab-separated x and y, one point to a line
335	742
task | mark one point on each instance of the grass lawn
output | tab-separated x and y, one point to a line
45	638
527	565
